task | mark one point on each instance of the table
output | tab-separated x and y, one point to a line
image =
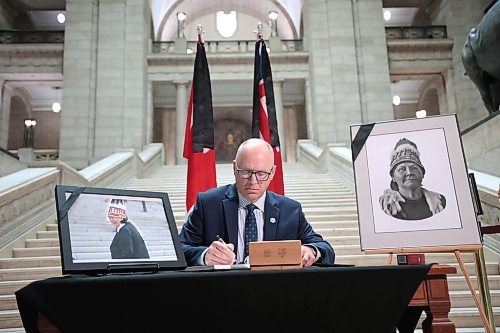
316	299
432	296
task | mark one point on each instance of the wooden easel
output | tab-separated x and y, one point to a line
457	251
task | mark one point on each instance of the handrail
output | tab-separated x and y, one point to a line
480	122
5	151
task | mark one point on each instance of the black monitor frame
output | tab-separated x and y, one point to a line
82	208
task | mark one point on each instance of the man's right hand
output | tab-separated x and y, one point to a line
220	254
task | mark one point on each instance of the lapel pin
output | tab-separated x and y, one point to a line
272	220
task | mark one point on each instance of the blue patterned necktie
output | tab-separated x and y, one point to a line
250	228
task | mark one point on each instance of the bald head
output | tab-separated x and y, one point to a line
255	146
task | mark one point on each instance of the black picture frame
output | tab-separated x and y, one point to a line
86	233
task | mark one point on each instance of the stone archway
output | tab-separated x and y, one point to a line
430	102
18	112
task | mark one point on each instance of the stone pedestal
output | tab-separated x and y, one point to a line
26	155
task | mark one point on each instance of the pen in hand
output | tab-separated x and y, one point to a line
219	239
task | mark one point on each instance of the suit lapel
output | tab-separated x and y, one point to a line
230	204
271	217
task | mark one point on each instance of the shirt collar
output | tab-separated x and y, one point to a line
260	203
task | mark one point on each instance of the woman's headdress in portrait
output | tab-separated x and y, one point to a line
405	151
117	208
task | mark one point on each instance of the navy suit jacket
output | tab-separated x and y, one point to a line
216	213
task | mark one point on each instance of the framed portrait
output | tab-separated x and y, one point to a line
412	185
104	230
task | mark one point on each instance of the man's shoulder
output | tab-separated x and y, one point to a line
216	191
279	199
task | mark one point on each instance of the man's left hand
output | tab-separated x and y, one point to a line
308	256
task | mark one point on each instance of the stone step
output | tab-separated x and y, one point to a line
52	226
36	273
26	262
46	234
10	287
469	317
52	242
457	282
36	251
342	240
330	232
8	302
464	299
10	319
333	224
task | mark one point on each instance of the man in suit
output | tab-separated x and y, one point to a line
225	212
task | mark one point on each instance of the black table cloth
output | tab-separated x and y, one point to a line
315	299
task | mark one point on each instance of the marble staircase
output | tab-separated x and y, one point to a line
329	206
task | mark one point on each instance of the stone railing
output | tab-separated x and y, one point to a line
231	46
29	154
34	37
438	31
311	155
27	196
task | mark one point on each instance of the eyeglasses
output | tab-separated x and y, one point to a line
261	176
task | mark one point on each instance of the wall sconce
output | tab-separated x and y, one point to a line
56	107
29	132
421	113
181	21
396	100
273	22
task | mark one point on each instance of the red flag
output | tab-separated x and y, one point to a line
264	123
199	136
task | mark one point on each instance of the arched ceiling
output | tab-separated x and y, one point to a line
165	21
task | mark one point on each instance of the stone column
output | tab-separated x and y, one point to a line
76	143
291	130
150	113
168	135
278	102
105	79
5	96
309	112
180	120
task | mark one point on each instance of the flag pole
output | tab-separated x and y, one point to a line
199	30
260	27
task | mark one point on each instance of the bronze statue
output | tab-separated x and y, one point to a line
480	56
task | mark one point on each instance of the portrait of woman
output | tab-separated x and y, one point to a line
406	198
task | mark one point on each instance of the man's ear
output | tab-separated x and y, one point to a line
273	171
